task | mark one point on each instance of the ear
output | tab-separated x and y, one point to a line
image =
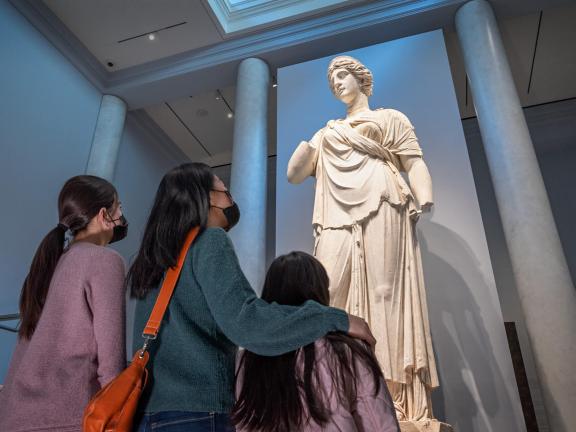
103	218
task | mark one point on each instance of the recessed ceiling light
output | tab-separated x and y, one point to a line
229	115
152	36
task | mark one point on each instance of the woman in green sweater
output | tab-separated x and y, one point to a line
213	309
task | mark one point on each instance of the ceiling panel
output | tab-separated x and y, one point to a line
166	119
519	38
554	75
230	94
202	121
101	24
207	115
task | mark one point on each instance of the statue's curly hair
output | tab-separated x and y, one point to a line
360	72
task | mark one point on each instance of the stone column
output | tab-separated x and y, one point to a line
545	288
107	137
248	181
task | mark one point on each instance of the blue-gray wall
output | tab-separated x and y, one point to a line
48	112
47	116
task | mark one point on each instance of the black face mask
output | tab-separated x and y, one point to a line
232	213
120	231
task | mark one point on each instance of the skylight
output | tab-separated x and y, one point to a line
238	15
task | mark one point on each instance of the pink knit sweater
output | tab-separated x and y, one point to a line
77	347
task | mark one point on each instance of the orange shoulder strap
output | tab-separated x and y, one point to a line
155	320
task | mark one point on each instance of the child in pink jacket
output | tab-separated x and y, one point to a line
334	384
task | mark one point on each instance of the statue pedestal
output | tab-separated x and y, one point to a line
431	425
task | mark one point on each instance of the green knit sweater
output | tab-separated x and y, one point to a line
213	311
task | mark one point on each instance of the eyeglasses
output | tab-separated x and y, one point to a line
121	219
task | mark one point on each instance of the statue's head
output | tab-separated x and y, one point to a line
342	65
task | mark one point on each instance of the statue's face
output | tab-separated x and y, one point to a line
346	87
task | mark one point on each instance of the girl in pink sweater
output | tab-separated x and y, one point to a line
334	384
71	335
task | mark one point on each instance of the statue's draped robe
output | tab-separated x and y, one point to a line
366	239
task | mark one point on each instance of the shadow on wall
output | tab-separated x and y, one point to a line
459	335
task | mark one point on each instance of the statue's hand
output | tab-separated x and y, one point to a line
415	215
426	207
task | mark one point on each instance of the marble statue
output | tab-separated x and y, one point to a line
364	230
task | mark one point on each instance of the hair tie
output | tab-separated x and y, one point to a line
62	226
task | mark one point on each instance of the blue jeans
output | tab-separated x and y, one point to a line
185	421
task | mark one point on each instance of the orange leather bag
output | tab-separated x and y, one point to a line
112	409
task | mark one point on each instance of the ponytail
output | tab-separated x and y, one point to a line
80	199
35	288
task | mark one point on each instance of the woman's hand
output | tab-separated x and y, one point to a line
359	329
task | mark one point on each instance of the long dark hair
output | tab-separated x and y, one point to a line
270	399
80	199
182	202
